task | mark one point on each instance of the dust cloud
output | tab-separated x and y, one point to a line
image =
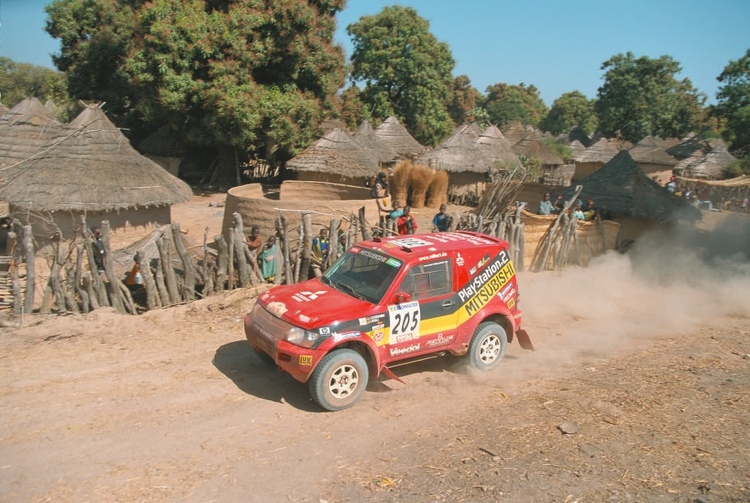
666	285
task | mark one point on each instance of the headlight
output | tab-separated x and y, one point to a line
300	337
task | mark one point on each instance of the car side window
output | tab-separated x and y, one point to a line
428	280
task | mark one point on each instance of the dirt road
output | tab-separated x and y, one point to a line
638	391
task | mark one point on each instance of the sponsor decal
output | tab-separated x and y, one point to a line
393	262
452	237
305	360
378	336
480	290
406	350
337	337
479	265
324	331
459	260
307	296
433	256
511	303
374	256
482	278
370	320
507	294
277	308
411	242
304	319
404	321
440	340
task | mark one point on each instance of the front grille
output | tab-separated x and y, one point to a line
269	329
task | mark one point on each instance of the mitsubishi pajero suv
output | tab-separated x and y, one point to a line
389	300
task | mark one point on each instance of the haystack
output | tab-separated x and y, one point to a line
88	168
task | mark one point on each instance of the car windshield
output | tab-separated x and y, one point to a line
363	274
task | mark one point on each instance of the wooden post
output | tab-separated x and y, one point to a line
333	247
366	234
163	245
188	291
298	260
230	262
208	277
306	246
161	285
221	263
28	249
152	296
96	278
78	280
288	274
112	281
238	241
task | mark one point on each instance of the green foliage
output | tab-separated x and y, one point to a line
464	99
405	70
642	97
733	104
509	103
22	80
569	110
564	151
258	76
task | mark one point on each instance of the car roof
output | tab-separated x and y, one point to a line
408	247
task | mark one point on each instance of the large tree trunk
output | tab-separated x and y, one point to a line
228	169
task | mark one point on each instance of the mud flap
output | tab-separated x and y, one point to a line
389	373
524	340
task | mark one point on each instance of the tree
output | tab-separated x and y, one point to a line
733	104
405	70
240	75
642	97
508	103
22	80
569	110
464	99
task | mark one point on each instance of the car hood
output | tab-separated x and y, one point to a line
313	304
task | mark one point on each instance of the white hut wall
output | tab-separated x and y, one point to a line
466	182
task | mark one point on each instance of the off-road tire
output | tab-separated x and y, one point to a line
487	346
339	380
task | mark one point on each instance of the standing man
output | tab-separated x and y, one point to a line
441	221
545	205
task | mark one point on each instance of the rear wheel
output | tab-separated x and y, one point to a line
339	380
487	346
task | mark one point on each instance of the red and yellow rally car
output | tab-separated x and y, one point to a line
389	300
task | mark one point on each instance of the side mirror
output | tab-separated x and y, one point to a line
401	298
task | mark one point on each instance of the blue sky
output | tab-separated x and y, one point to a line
558	46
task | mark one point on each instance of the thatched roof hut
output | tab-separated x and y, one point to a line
366	137
494	145
690	146
712	166
621	189
336	157
575	134
29	111
651	155
593	158
393	134
90	169
458	153
515	132
329	125
534	146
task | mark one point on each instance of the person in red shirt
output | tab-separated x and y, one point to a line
406	222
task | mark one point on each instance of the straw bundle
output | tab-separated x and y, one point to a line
437	192
419	180
399	184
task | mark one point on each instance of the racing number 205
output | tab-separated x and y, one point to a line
404	320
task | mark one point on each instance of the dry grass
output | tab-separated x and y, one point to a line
437	192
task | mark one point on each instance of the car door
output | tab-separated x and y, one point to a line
427	320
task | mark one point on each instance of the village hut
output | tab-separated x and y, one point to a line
335	158
89	170
25	130
393	134
366	137
593	158
515	132
712	166
651	155
329	125
164	148
494	145
575	134
690	146
621	191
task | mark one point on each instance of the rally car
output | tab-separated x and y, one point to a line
388	300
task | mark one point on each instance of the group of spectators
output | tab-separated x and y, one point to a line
580	210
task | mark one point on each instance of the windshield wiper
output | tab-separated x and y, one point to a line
325	280
350	290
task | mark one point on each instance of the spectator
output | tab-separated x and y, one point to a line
393	215
441	221
672	185
267	260
406	223
320	247
254	241
559	203
545	205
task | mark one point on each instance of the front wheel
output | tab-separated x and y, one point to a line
339	380
487	346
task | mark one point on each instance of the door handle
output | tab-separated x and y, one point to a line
447	303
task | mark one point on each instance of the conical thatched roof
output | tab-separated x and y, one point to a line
494	145
515	132
576	133
621	189
652	150
163	142
577	147
29	111
458	153
713	165
329	125
336	153
89	166
366	137
690	146
393	134
602	152
534	146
